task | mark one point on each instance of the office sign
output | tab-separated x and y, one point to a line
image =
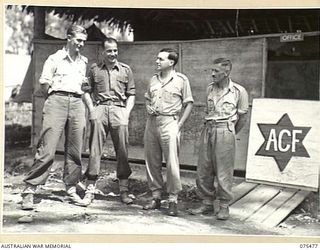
284	143
291	37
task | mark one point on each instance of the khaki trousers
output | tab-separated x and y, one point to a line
216	161
113	119
60	113
161	138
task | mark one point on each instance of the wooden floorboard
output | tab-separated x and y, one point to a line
253	201
241	190
269	208
264	204
281	213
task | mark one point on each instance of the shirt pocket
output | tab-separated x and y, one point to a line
170	96
62	71
154	92
120	85
99	84
229	104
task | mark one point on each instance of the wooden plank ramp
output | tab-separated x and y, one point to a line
275	218
241	190
264	204
253	201
274	204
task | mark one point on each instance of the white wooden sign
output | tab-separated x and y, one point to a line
291	37
284	143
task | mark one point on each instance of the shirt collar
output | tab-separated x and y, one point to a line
230	85
116	66
65	54
173	75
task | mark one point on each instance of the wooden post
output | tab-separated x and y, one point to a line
39	33
264	66
39	22
180	59
318	196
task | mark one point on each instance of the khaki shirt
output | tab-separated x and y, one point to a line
168	98
116	84
226	104
64	74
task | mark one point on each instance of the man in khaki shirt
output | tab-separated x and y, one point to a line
167	93
227	104
110	97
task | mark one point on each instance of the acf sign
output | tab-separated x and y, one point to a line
284	143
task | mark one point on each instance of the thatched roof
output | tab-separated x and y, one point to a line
163	24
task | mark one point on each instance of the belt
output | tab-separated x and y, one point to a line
65	93
110	103
217	123
164	115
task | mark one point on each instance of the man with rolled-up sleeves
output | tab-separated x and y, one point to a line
168	92
227	105
64	111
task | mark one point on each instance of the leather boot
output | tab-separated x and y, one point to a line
125	198
203	209
27	201
89	195
173	210
223	213
74	198
154	204
27	197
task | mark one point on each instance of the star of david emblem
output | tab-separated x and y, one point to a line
282	141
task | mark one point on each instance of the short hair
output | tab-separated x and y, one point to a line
225	63
173	54
75	29
109	40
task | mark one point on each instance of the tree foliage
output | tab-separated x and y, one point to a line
18	30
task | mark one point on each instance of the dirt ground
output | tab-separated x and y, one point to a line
107	215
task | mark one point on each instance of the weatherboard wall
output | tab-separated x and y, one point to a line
249	66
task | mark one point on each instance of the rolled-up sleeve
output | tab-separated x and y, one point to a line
87	86
147	94
48	71
243	103
187	94
131	88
